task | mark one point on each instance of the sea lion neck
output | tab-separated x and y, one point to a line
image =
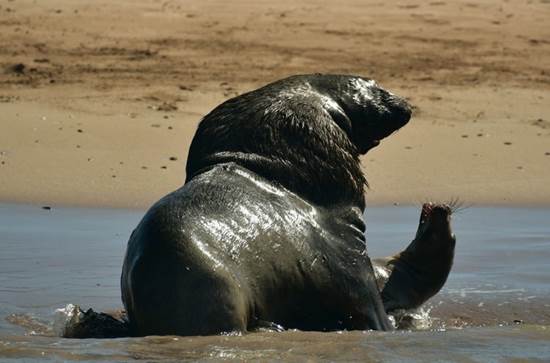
287	137
287	175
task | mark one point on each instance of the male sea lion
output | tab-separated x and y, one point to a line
405	280
268	227
411	277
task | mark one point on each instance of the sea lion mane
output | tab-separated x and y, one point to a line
304	132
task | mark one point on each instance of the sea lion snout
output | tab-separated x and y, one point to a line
399	110
435	223
375	113
435	212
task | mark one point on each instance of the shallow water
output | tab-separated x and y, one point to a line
494	307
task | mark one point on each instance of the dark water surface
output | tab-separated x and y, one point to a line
495	306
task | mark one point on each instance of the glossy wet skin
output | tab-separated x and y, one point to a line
268	227
413	276
238	264
373	112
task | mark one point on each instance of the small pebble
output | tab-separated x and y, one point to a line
144	167
173	158
163	167
507	143
46	207
464	136
80	130
18	68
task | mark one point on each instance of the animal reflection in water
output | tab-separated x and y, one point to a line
268	231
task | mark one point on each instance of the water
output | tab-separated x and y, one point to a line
495	306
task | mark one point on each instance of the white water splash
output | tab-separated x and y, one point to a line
414	319
65	318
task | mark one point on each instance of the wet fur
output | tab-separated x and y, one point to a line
414	275
269	224
304	132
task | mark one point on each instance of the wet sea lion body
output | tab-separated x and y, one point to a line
405	280
252	255
268	226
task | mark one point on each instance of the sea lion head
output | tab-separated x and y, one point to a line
305	132
367	112
420	271
434	232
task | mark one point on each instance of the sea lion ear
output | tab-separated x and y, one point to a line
339	116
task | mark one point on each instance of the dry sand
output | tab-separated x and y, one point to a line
99	100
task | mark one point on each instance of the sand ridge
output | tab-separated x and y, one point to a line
99	101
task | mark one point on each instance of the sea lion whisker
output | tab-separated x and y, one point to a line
456	205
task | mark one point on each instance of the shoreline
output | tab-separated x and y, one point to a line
110	159
121	207
102	118
126	154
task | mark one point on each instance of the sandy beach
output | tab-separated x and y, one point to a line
99	101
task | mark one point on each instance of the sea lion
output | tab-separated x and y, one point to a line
268	228
405	280
411	277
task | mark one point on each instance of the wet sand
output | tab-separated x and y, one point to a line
99	102
494	307
524	343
